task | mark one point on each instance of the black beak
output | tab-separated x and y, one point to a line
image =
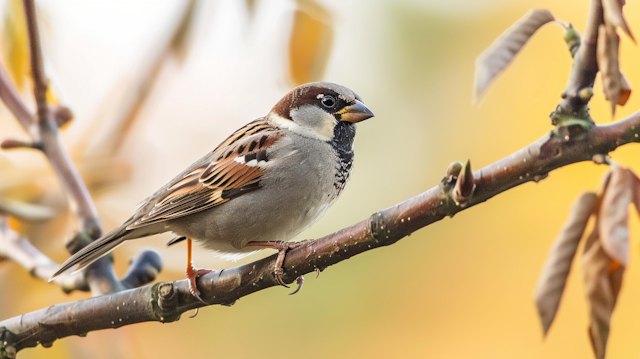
355	113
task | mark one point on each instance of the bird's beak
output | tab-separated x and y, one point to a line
355	113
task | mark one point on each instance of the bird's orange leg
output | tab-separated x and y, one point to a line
193	273
282	248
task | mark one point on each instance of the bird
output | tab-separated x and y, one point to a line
258	189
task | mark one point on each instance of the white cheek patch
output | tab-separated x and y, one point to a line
320	126
282	122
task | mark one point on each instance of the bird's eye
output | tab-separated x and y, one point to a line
328	101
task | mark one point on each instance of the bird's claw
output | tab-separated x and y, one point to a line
192	274
195	313
277	272
282	248
299	282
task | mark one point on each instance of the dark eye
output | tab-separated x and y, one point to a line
328	101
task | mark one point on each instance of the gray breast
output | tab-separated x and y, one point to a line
301	183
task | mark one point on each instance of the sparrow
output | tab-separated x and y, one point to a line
265	184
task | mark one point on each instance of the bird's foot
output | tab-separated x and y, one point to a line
282	248
192	274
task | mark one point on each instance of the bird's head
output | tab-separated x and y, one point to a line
314	109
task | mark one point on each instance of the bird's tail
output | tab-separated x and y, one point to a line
94	251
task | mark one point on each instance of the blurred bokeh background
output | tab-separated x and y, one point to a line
148	102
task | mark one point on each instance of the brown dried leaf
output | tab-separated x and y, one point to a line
614	17
607	57
625	90
603	280
614	214
556	269
503	50
310	42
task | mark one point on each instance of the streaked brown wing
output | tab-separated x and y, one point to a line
232	170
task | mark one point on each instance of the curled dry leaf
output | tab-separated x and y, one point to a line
603	280
607	57
310	42
556	270
502	51
614	214
614	17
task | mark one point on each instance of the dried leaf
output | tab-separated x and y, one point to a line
502	51
614	17
614	214
603	280
625	90
556	269
26	211
607	57
310	42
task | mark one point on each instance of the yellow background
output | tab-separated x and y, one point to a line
461	288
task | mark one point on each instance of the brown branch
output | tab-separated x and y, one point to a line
101	277
78	194
44	133
166	301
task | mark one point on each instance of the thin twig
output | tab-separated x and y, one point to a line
166	301
40	82
14	103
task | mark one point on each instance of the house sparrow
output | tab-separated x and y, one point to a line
265	184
